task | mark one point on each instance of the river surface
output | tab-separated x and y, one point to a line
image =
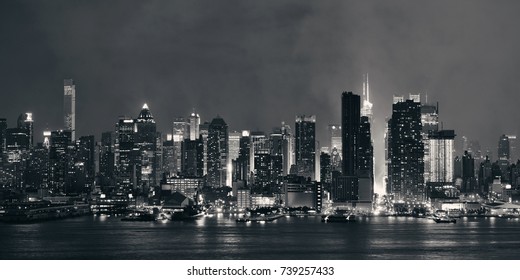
288	238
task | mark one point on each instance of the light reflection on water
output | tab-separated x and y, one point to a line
220	237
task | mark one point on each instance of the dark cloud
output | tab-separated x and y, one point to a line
257	63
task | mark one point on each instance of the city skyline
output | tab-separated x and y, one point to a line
259	130
259	80
112	62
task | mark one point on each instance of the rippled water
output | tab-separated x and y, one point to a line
219	237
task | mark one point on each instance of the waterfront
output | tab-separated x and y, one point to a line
220	237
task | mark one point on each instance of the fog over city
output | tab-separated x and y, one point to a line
258	63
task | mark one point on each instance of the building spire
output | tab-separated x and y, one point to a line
145	106
368	90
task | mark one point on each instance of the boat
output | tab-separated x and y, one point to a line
339	217
187	213
444	219
242	220
139	217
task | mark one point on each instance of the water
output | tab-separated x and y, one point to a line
220	237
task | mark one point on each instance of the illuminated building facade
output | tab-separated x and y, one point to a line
406	171
69	106
218	153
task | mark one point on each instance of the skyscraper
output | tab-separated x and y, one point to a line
345	187
288	148
69	106
60	161
468	174
234	144
350	123
305	145
106	159
124	155
194	123
218	151
441	149
243	162
366	110
503	148
180	132
192	156
335	149
85	153
276	146
365	158
430	123
26	122
407	152
145	144
204	131
3	128
513	157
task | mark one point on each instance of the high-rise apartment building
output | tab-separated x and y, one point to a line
406	170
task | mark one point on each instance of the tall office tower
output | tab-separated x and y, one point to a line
430	123
335	137
365	165
107	159
457	168
192	156
345	188
325	169
180	132
305	145
260	158
473	147
407	152
350	124
125	155
85	156
60	161
503	148
335	146
243	162
145	142
3	128
46	139
513	157
485	175
37	173
234	144
276	145
69	106
441	145
262	171
26	122
366	110
16	140
287	149
218	152
168	156
388	152
194	123
429	118
468	174
204	132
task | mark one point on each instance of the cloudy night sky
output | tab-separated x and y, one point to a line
257	63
